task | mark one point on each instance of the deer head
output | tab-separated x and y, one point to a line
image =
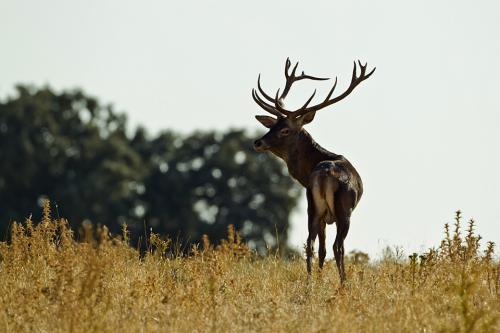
287	124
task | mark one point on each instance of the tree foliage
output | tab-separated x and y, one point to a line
70	148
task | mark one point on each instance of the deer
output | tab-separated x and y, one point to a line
333	186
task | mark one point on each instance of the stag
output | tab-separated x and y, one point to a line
333	186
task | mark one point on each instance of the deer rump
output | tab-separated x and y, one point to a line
327	178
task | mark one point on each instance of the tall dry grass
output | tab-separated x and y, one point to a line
51	283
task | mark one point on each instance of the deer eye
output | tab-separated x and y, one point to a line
284	132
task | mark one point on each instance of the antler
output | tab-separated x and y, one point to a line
278	108
291	78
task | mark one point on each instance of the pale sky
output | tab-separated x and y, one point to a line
422	131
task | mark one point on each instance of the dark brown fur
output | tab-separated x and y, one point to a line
306	161
333	186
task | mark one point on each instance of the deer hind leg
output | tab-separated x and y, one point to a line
330	186
322	248
343	207
338	246
323	185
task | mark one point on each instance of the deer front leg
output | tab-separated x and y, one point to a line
313	230
310	246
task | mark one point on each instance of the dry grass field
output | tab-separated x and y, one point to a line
51	283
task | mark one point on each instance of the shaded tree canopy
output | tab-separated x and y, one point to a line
70	148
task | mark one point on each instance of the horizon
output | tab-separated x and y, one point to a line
410	130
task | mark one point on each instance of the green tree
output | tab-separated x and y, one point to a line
71	149
201	183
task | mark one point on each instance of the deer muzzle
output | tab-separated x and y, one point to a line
260	145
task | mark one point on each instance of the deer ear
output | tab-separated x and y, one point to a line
267	121
307	118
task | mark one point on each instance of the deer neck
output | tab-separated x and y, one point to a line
303	155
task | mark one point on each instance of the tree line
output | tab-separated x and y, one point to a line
81	154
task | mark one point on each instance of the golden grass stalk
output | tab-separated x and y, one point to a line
51	283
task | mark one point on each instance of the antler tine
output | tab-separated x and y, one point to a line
355	81
294	69
278	104
363	70
369	74
309	77
260	102
309	100
264	105
288	63
331	90
278	108
291	78
266	96
354	75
